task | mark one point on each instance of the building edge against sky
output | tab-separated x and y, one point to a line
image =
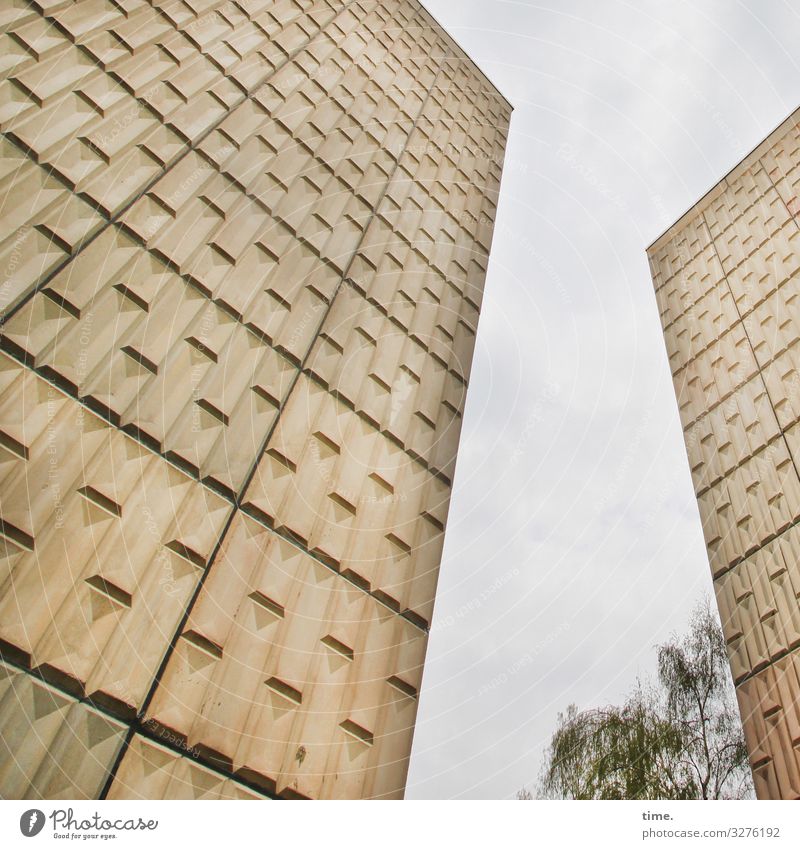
223	504
727	283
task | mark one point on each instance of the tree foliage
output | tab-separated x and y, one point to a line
679	739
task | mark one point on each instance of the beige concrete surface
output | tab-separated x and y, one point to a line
243	248
728	290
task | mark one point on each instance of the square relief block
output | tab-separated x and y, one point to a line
768	706
204	226
463	348
61	749
104	544
788	187
43	224
774	326
730	433
782	379
773	266
742	236
694	326
324	210
182	211
740	193
190	118
294	291
121	331
758	606
149	770
353	498
417	300
147	34
757	501
81	21
29	28
289	674
106	145
15	58
407	392
691	242
31	90
782	157
714	374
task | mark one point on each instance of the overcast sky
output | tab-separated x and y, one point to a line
574	542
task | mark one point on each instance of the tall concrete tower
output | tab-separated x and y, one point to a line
727	279
244	249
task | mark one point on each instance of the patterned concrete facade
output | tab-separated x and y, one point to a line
728	291
244	250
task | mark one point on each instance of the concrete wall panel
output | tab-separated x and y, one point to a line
245	257
726	279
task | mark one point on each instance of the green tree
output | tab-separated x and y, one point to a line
700	704
679	739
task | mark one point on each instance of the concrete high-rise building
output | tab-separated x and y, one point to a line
244	249
727	281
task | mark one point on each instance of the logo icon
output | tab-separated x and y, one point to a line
31	822
402	388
